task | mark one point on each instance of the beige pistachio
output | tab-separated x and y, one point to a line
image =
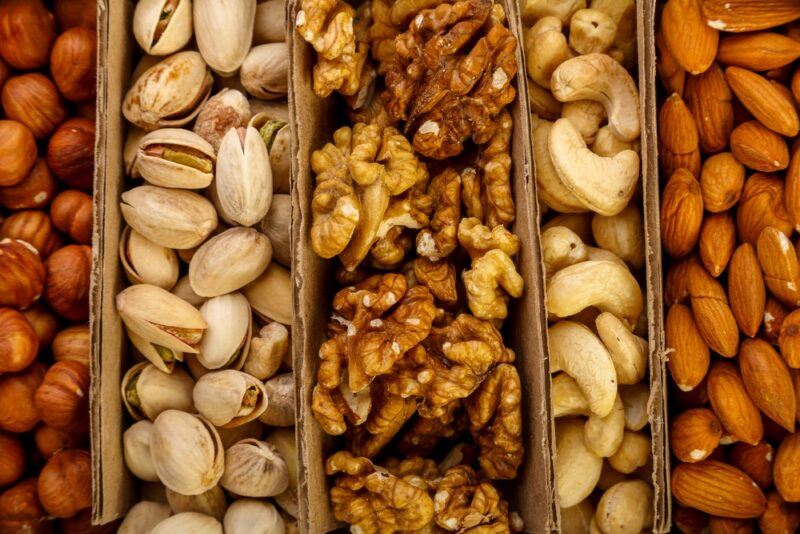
224	32
147	392
176	158
229	398
278	137
270	24
229	436
265	71
277	226
144	262
284	440
227	340
188	523
130	151
161	318
225	110
170	93
162	27
270	295
280	391
183	289
143	517
254	469
194	366
267	351
172	218
187	254
153	491
211	502
136	449
249	516
145	62
163	358
229	261
274	109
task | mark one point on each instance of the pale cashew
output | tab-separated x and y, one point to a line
593	528
591	30
609	477
576	519
545	49
603	435
587	318
575	350
580	223
601	254
623	13
604	185
577	469
628	351
635	398
622	234
543	103
586	115
533	10
598	77
608	145
633	453
561	247
605	285
551	191
566	397
626	508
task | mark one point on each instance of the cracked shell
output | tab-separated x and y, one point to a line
277	135
227	340
177	158
229	261
230	398
144	262
162	27
147	391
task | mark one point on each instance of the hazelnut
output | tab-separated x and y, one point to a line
73	343
70	153
72	13
18	342
17	152
12	459
33	100
17	412
72	213
50	440
35	228
62	399
69	272
73	64
27	31
5	72
21	274
65	483
36	190
81	523
44	323
20	510
86	109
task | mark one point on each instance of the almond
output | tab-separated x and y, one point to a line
780	517
735	409
774	315
672	75
721	182
758	51
687	351
712	313
746	15
678	138
746	291
718	489
676	285
761	205
759	148
688	520
786	471
726	525
789	339
796	381
778	261
694	434
691	41
681	213
717	239
796	85
764	100
710	100
755	460
792	189
766	379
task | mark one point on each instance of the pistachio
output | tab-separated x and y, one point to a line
136	449
177	158
252	430
278	137
224	32
163	358
280	390
227	340
283	439
147	392
172	218
187	254
254	469
130	151
227	109
243	186
162	27
265	71
161	318
229	398
153	491
267	351
270	24
144	262
229	261
170	93
143	517
277	226
270	294
183	289
188	523
211	502
274	109
249	516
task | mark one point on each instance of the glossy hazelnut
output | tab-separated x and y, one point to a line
73	343
33	100
36	190
21	274
17	390
73	64
17	152
81	523
69	271
12	459
35	228
70	153
50	440
65	483
18	342
27	32
72	213
21	511
62	399
44	323
72	13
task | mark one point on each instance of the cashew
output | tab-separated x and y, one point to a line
628	351
598	77
551	191
586	115
591	30
587	318
543	103
593	528
608	145
605	285
626	508
623	13
561	247
577	469
268	349
533	10
634	452
575	350
635	399
576	519
603	435
609	477
604	185
566	397
622	234
580	223
601	254
545	49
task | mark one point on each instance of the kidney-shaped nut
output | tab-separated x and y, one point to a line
628	351
561	247
255	469
622	234
586	115
563	10
636	399
633	453
566	397
227	340
187	522
161	27
545	48
177	158
591	30
147	391
136	449
267	351
626	507
144	262
577	469
229	398
270	294
224	32
603	435
550	189
229	261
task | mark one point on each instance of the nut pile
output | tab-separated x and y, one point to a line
206	251
47	96
729	211
585	106
414	198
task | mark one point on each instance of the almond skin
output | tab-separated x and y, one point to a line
766	379
759	148
689	356
717	239
733	406
755	460
672	75
778	261
694	434
789	340
764	100
746	292
726	525
721	182
718	489
774	315
681	213
679	142
691	41
747	16
688	520
780	517
758	51
713	315
792	190
786	471
796	381
676	284
710	99
761	205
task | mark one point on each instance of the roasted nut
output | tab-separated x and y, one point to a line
212	502
276	133
183	289
73	64
35	191
229	261
27	31
18	341
227	109
33	100
136	448
49	440
65	483
270	22
144	516
229	398
72	213
162	28
248	516
17	412
12	459
224	33
21	510
265	71
144	262
276	225
147	391
34	228
172	157
62	399
22	274
188	522
254	469
270	295
70	153
17	152
69	272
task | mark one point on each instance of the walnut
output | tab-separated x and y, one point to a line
471	194
440	241
390	250
478	239
373	111
327	25
403	10
495	165
425	469
424	434
403	168
409	210
495	418
360	145
490	281
381	35
463	503
439	277
387	416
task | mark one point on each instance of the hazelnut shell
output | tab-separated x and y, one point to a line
36	190
65	483
35	228
70	153
17	152
72	213
69	272
33	100
73	63
62	399
17	412
27	32
21	274
18	342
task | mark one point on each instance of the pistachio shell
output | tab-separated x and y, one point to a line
144	262
230	436
254	469
147	392
270	295
183	289
163	358
172	218
188	523
270	24
267	351
143	517
162	27
265	71
211	502
274	109
277	226
229	398
227	109
280	390
277	134
229	261
131	151
224	32
227	340
177	158
136	449
249	516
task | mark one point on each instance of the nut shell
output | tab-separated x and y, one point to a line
144	262
18	342
50	440
255	468
224	32
63	398
277	227
27	32
220	397
226	342
154	40
136	447
20	510
65	483
33	100
44	323
69	272
72	213
17	412
229	261
17	152
35	228
35	191
70	153
147	391
12	459
22	274
73	64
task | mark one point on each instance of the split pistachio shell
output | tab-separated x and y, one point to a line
267	351
136	448
270	24
187	452
211	502
162	27
277	135
144	262
290	508
227	340
254	469
277	227
280	391
230	398
176	158
160	317
130	151
147	392
188	523
265	71
163	358
243	185
249	516
274	109
283	440
183	289
172	218
270	294
229	261
224	32
143	517
225	110
170	93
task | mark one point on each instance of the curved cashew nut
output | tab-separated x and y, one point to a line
604	435
601	254
633	453
608	145
576	519
622	234
623	13
561	247
575	350
598	77
546	48
626	507
586	115
604	185
533	10
605	285
551	191
577	469
580	223
609	477
591	30
635	399
628	351
543	103
566	397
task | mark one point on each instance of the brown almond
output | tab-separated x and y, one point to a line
681	213
759	148
778	261
795	85
796	381
679	143
767	381
721	182
717	239
694	434
755	460
718	489
746	292
780	517
789	340
691	41
774	315
731	403
726	525
710	99
688	520
676	285
758	51
792	189
688	356
764	100
786	471
713	315
747	15
672	75
761	205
